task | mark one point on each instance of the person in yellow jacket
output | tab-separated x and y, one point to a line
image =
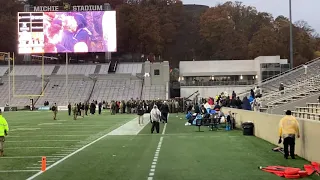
4	129
288	130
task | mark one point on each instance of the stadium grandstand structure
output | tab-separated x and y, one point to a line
301	86
86	82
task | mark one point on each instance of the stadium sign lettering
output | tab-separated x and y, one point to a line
68	8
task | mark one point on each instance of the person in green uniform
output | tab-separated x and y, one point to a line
54	109
4	129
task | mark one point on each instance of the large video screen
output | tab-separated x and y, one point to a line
62	32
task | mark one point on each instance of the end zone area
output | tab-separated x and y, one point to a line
181	153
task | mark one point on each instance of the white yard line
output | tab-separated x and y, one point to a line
44	140
124	126
27	157
156	156
48	135
164	129
62	154
15	171
47	161
35	147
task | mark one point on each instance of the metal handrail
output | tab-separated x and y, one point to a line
291	87
280	74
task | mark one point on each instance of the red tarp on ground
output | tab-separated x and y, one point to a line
293	173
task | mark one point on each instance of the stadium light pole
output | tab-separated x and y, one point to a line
9	98
67	86
291	36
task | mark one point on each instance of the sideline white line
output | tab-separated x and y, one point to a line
35	147
48	135
61	154
156	155
46	141
75	152
164	128
26	157
15	171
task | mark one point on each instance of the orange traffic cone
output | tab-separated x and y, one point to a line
43	163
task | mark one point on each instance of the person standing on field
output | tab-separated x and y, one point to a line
75	111
288	130
140	112
4	129
155	116
69	109
55	111
164	111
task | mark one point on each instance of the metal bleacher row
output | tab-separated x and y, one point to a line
85	82
78	90
123	89
153	92
311	111
299	83
291	77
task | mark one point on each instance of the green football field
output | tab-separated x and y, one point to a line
83	149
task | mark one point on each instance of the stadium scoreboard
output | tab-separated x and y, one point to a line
30	32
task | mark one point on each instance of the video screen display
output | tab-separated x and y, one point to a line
62	32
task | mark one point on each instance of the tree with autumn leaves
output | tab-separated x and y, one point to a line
176	32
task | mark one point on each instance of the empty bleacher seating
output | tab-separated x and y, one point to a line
104	69
299	83
293	93
32	70
154	92
3	70
311	111
56	91
4	88
26	88
116	89
85	82
77	69
129	68
290	78
21	88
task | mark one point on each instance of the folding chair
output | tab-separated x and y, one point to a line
199	124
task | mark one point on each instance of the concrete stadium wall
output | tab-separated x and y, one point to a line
210	91
153	79
266	127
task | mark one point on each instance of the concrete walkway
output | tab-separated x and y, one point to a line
131	128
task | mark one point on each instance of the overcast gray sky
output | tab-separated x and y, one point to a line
301	9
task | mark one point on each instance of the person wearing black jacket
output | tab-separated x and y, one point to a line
140	112
197	108
100	107
86	108
164	112
92	108
69	109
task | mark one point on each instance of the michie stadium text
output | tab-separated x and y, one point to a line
73	8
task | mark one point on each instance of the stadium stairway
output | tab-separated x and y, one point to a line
288	78
297	92
92	89
113	66
55	70
97	70
46	82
